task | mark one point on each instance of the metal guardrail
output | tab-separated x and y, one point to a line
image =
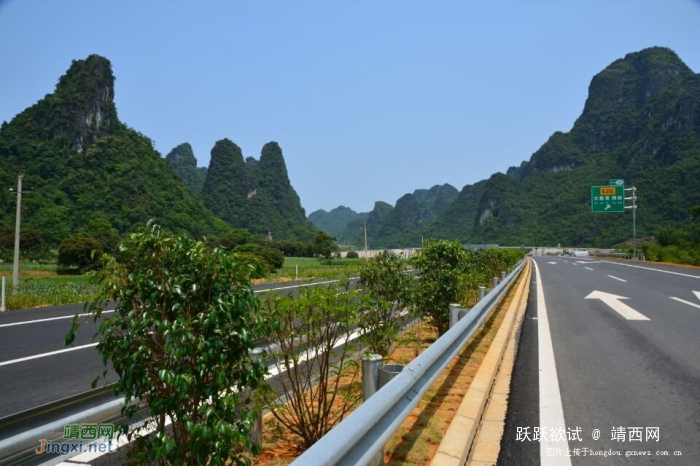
20	433
357	439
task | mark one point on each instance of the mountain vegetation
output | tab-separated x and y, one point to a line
255	195
640	123
337	220
82	164
183	162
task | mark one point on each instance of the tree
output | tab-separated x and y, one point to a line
325	246
352	255
272	257
80	251
181	340
442	266
102	230
315	358
389	289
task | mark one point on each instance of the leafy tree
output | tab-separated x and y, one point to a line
442	266
236	237
181	340
325	246
352	255
102	230
272	257
30	241
80	251
317	371
389	289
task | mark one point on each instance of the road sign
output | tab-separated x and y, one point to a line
607	199
614	182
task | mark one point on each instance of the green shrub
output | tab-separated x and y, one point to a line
352	255
80	251
273	257
181	340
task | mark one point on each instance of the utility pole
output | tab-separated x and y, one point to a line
366	253
634	219
15	265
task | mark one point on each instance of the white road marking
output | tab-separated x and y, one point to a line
551	411
619	279
50	318
588	262
588	268
43	355
697	293
686	302
613	301
574	263
655	270
553	263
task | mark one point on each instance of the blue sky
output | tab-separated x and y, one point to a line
369	100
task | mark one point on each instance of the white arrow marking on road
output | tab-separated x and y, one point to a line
697	293
613	301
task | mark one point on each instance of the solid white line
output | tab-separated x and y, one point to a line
296	286
615	278
551	411
43	355
686	302
588	268
50	318
655	270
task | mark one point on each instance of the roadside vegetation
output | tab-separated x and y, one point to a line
675	245
191	334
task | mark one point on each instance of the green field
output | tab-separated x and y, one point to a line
309	267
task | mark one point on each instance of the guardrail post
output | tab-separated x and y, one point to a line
482	292
2	305
503	276
256	434
371	363
495	282
454	314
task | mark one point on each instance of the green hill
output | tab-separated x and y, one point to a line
183	162
640	122
255	195
85	164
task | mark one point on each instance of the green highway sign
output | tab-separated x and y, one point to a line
614	182
607	199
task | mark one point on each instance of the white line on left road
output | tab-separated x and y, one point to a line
551	410
43	355
686	302
46	320
619	279
588	268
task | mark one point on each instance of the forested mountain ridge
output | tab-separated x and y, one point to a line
84	164
255	194
183	162
640	122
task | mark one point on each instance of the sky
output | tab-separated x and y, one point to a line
369	100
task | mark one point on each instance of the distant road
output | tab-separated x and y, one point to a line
35	366
609	345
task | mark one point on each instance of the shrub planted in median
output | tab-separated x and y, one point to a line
180	340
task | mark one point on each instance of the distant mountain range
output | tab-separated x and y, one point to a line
84	165
640	123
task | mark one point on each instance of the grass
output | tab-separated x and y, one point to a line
310	267
51	291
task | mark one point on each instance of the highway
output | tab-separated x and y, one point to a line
608	366
35	366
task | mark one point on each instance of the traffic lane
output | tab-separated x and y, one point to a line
40	381
40	334
611	374
523	398
31	340
674	325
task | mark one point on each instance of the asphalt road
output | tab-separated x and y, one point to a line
629	368
36	367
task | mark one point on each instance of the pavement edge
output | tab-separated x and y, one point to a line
474	432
